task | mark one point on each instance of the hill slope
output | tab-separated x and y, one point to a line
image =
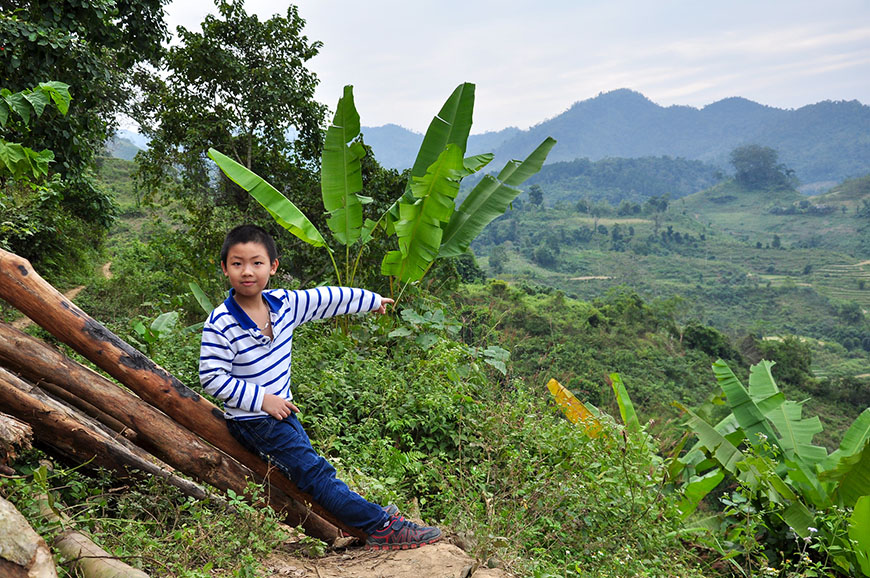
624	123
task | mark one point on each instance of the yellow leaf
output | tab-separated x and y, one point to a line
574	409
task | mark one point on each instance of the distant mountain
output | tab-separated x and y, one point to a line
121	148
827	141
396	147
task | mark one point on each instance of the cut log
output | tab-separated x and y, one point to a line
22	287
156	432
14	435
78	436
23	553
82	553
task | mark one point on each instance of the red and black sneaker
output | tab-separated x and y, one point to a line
401	534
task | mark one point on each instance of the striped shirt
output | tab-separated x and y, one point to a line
239	365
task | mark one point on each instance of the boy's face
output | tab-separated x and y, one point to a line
248	268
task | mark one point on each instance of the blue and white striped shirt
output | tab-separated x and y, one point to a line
238	364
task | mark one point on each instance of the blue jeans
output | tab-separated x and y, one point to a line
286	445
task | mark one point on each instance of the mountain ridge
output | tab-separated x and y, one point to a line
825	141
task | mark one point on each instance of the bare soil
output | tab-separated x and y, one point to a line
440	560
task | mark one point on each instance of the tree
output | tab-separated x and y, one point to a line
756	167
240	86
536	195
498	258
93	46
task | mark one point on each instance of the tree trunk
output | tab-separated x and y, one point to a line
23	553
14	434
156	432
21	286
78	436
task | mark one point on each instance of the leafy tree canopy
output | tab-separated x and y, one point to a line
756	167
241	86
91	45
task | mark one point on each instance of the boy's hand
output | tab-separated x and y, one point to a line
278	407
383	308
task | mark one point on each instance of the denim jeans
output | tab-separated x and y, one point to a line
286	445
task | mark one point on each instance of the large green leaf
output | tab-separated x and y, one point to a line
59	93
853	440
852	475
795	434
419	227
623	400
695	490
282	210
751	419
489	200
859	533
19	105
341	173
725	452
201	298
451	125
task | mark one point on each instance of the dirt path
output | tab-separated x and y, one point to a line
441	560
588	278
23	322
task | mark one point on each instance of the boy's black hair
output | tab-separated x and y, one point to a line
249	234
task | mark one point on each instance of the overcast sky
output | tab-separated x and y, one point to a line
533	60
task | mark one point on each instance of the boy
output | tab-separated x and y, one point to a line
245	362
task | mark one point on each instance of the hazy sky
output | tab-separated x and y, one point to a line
533	60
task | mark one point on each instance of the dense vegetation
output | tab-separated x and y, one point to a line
622	285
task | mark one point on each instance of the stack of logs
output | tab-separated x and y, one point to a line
161	428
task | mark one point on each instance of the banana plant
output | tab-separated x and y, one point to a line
425	221
766	444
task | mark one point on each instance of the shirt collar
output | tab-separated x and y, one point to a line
245	322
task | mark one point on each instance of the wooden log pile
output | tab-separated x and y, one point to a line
157	425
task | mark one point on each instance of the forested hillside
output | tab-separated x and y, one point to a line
822	142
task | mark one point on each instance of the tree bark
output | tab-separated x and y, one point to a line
78	436
14	434
155	432
23	553
22	287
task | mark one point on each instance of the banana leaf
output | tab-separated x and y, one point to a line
696	489
853	440
282	210
474	163
852	476
859	533
725	452
489	200
451	125
574	409
419	227
626	408
795	434
201	298
746	412
341	172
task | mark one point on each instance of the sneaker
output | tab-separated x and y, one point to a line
401	534
392	510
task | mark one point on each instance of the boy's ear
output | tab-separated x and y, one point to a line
224	268
274	267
